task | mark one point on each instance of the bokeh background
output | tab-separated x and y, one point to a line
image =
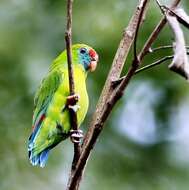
145	144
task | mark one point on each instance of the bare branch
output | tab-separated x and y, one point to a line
158	62
73	115
180	14
155	33
162	8
102	110
152	50
147	47
137	30
109	95
180	62
182	17
158	3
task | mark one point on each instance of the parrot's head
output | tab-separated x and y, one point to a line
87	56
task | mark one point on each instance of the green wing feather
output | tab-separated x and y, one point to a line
45	93
41	137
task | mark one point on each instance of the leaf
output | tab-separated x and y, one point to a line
180	62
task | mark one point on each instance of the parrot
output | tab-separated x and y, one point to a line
51	119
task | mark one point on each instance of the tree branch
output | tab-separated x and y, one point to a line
137	29
158	62
152	50
102	109
118	93
109	95
147	46
73	115
155	33
180	14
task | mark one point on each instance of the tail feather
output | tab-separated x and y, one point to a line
40	143
39	159
40	156
44	157
36	128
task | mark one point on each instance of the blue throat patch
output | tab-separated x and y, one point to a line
85	60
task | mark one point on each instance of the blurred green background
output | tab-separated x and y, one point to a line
145	142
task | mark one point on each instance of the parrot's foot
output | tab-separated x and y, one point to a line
71	102
72	99
76	135
75	108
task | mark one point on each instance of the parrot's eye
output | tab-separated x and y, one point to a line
83	50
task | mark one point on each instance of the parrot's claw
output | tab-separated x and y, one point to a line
73	99
76	135
75	108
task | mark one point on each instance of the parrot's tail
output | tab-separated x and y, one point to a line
38	153
39	159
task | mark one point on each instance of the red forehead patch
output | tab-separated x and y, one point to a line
92	53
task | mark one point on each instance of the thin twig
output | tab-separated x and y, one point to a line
137	30
152	50
155	34
68	38
158	62
158	3
147	47
162	7
180	14
182	18
154	64
73	115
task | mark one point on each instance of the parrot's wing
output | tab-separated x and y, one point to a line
44	95
38	144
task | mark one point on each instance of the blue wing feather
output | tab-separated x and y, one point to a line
41	158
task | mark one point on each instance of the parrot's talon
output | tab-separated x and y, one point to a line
75	108
76	135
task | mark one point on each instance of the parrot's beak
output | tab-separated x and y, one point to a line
93	63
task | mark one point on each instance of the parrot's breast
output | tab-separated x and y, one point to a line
57	112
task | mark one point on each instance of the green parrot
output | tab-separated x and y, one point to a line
51	122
